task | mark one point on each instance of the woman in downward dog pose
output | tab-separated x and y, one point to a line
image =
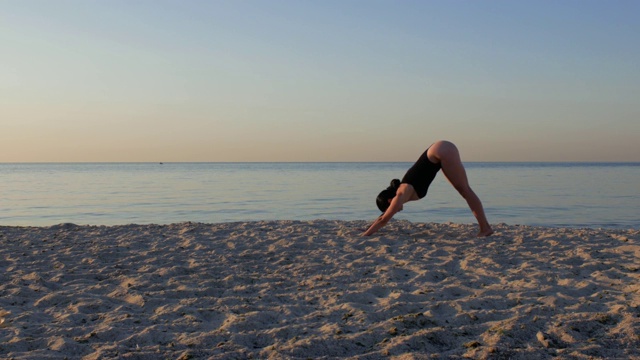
415	183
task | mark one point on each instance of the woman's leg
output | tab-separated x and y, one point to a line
449	157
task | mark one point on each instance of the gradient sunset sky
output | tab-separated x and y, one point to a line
322	80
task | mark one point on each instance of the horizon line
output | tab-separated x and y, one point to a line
316	162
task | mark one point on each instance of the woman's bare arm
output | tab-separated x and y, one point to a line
404	193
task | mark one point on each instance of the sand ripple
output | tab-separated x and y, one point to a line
316	289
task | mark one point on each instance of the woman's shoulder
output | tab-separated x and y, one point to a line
407	192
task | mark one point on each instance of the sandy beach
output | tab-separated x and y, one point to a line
318	290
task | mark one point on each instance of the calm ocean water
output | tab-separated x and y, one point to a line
550	194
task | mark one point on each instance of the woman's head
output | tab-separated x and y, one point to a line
387	194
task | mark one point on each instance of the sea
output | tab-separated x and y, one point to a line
577	195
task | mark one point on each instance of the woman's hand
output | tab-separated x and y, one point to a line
380	222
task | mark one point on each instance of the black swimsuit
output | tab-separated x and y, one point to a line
421	174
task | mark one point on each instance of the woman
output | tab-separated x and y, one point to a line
416	181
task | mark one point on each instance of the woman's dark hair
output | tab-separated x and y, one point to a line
387	194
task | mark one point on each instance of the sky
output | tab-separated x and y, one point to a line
325	80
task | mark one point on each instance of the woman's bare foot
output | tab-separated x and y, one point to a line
485	232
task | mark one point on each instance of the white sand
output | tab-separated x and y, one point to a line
298	290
